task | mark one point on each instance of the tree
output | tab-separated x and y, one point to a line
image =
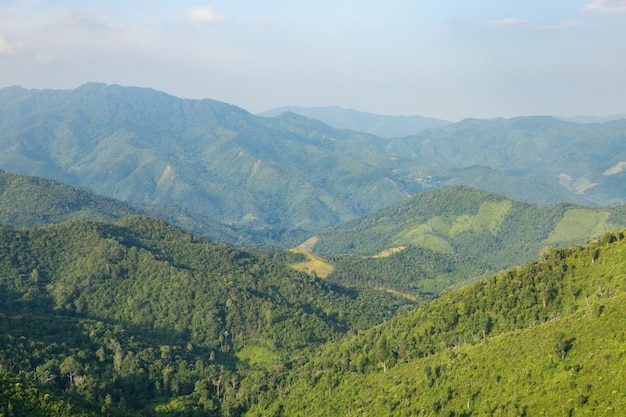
561	345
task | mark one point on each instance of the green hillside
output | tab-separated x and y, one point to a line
282	175
27	201
438	238
33	201
544	339
519	188
146	147
138	316
584	159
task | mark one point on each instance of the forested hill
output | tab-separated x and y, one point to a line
544	339
585	159
285	173
27	201
447	235
139	316
147	147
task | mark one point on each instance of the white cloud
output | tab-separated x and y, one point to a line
206	15
9	46
509	21
606	6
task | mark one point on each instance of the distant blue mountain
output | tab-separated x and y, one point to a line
592	119
376	124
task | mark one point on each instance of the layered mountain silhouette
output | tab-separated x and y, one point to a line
288	172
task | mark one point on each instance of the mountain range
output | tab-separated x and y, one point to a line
146	147
445	236
288	173
419	246
415	290
376	124
585	159
140	318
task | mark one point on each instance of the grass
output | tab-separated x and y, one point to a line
517	373
491	215
577	223
421	235
257	355
313	265
489	219
398	293
307	245
388	252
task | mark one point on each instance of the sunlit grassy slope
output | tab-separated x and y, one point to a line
546	339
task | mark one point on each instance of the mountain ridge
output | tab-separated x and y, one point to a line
289	173
138	315
550	332
443	237
386	126
564	155
147	147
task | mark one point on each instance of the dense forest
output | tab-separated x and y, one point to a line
286	174
450	235
27	201
281	266
543	339
141	317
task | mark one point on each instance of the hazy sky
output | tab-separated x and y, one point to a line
449	59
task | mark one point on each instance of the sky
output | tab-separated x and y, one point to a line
450	59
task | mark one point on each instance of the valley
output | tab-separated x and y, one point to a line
278	177
173	257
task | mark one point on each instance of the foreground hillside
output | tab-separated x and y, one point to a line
545	339
139	316
438	238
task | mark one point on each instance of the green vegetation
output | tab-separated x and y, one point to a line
545	339
581	159
579	221
217	160
34	202
277	177
21	397
453	234
140	317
